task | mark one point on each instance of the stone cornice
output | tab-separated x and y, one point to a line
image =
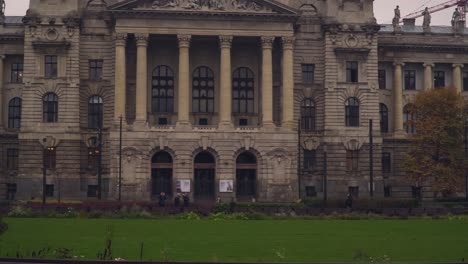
422	46
11	37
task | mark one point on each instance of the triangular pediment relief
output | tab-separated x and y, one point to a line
218	6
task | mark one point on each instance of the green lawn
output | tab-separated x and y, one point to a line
279	241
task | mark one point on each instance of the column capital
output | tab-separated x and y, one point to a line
288	42
225	42
428	64
120	38
458	65
141	39
267	42
2	56
398	63
184	41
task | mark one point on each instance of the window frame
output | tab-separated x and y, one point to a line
352	161
16	75
96	67
410	80
308	114
12	159
243	96
162	90
386	162
50	103
382	76
203	103
408	119
50	66
50	158
14	113
308	73
95	112
352	71
384	115
439	78
352	112
309	159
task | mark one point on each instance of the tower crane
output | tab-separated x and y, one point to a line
461	5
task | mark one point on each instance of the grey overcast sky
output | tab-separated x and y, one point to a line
383	9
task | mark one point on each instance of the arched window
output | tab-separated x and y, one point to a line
246	176
161	174
95	112
408	119
162	90
203	90
243	91
308	114
50	108
352	112
204	175
14	113
383	118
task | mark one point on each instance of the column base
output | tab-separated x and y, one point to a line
400	134
183	125
269	125
141	123
288	125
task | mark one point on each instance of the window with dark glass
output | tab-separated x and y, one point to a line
439	79
387	191
410	80
49	190
465	81
352	160
93	156
50	108
308	114
382	79
383	118
354	191
416	192
51	66
310	159
50	158
17	72
95	70
14	113
352	71
308	73
408	119
92	191
203	94
243	91
352	112
162	90
243	122
12	159
203	122
11	191
386	162
311	191
162	121
95	112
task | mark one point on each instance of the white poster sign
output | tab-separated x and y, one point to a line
183	186
226	186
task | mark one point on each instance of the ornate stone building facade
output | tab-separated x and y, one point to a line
264	99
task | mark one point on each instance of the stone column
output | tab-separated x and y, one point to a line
398	97
267	81
225	43
120	75
184	81
428	79
288	82
141	78
2	84
457	77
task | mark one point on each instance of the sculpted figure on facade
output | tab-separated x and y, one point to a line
396	18
222	5
2	7
164	4
455	19
427	20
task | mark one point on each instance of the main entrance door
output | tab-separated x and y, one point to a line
246	176
161	174
204	175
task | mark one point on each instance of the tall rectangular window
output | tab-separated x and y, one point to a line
410	80
11	191
17	72
310	159
354	191
386	162
95	70
49	190
92	191
308	73
416	192
311	191
439	79
51	66
382	79
12	159
465	81
352	71
387	191
50	158
93	156
352	160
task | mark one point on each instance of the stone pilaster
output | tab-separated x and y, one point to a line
225	43
120	75
267	81
288	82
2	83
142	78
457	77
398	98
428	79
184	81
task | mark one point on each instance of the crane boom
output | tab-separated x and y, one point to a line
460	3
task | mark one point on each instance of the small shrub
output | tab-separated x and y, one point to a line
20	211
189	216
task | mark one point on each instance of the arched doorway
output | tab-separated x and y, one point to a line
204	174
161	174
246	176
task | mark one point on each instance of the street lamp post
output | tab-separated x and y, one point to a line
99	165
44	175
466	155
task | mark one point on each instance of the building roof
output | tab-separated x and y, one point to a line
13	20
388	28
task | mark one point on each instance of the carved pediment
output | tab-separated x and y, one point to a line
219	6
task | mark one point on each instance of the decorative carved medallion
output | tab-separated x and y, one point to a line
211	5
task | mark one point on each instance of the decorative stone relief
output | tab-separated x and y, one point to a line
247	143
49	142
352	41
353	144
205	143
216	5
130	157
311	144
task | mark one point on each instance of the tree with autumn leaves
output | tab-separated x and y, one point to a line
436	155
